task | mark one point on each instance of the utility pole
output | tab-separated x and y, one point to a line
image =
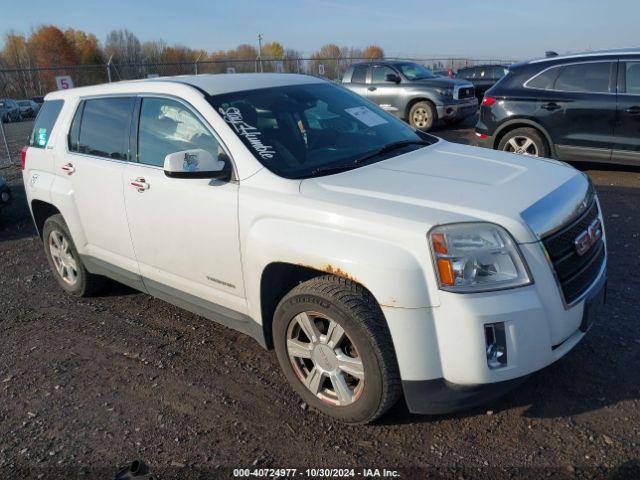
109	68
197	60
260	51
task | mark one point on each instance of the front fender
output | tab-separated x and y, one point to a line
394	276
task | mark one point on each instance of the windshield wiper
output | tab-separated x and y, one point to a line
334	168
380	151
389	148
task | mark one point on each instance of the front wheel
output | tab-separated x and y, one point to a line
524	141
334	347
423	116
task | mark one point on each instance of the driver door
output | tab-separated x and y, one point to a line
184	230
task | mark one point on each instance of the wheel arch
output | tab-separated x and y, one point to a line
42	210
513	124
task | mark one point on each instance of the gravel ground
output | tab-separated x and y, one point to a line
89	384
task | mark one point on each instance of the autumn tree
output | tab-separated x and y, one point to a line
373	52
329	57
50	48
16	55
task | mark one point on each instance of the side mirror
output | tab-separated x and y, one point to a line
197	163
392	77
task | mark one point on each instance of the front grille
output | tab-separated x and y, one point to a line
466	92
575	272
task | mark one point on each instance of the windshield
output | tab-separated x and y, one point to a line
414	71
300	131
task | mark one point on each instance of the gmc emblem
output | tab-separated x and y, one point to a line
589	237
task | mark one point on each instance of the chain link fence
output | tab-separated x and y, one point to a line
37	82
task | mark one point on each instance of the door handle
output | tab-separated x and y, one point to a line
371	89
635	110
68	168
551	106
140	184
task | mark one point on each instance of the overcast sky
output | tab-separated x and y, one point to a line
507	29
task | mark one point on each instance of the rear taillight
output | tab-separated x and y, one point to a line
488	101
23	157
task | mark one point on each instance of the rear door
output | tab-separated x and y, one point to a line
385	93
578	109
358	83
98	150
626	148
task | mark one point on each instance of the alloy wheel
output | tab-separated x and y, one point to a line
325	359
521	145
421	117
63	260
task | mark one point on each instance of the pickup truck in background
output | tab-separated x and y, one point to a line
412	92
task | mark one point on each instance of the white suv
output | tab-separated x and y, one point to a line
376	259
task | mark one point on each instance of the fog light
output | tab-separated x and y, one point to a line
496	345
5	196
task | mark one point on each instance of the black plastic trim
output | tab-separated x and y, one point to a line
439	397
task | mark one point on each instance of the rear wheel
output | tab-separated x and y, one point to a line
423	116
333	345
64	260
524	141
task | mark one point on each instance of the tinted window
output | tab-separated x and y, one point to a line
44	123
359	74
545	79
498	72
467	74
633	78
584	77
300	131
167	126
379	74
104	130
415	71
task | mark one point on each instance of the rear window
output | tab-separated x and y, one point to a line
359	74
544	80
584	77
104	128
44	123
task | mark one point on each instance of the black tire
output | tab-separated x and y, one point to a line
423	116
519	137
355	310
86	283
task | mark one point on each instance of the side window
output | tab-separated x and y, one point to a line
104	129
632	78
584	77
544	80
44	123
359	74
167	126
379	74
469	74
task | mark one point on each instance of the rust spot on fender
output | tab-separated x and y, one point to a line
330	269
338	271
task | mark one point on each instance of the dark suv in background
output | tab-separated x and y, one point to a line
412	92
574	107
483	77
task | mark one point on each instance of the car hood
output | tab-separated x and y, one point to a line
441	82
447	182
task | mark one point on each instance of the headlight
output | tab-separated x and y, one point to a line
476	257
445	92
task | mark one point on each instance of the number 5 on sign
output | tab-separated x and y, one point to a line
64	82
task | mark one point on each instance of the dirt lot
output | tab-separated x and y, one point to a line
86	385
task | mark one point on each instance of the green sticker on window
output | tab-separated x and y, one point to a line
42	137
